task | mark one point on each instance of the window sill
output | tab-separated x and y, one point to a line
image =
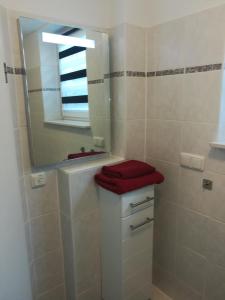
70	123
217	145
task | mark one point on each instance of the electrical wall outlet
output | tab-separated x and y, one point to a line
38	179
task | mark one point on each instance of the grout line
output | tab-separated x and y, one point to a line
58	249
183	121
146	97
52	212
50	290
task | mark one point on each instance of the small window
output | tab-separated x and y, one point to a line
73	79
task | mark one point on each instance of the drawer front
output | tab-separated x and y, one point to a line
137	223
137	200
141	240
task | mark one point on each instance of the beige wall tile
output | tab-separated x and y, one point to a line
86	242
191	230
68	255
216	243
118	138
45	234
117	46
202	96
118	98
204	38
164	52
190	189
163	280
191	269
84	194
182	291
135	139
163	140
57	293
213	203
215	287
165	219
196	137
48	272
165	259
168	190
135	38
165	95
92	293
135	97
42	200
24	144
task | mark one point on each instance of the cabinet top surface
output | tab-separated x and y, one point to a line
92	164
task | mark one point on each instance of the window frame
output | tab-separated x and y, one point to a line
74	114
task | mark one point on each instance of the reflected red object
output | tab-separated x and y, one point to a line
84	154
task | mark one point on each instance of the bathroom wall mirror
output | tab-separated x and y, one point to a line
67	91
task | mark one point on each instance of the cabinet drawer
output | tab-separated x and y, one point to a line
137	223
138	242
137	200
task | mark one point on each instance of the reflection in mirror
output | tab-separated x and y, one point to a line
67	91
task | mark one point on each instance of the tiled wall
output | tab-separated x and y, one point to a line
41	211
175	108
183	112
128	63
154	118
79	207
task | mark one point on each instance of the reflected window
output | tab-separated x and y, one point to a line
73	78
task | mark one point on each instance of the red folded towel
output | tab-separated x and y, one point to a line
122	186
128	169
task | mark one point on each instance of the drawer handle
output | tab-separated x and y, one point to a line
148	199
147	221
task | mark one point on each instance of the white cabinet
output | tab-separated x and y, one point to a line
127	244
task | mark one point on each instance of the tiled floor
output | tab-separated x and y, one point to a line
158	295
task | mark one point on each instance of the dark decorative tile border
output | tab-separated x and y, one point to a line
170	72
114	74
44	90
187	70
15	71
205	68
177	71
135	74
96	81
151	74
19	71
9	70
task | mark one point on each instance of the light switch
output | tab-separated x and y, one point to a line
38	179
184	159
99	141
192	161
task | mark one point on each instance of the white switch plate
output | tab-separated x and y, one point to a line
38	179
192	161
99	141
